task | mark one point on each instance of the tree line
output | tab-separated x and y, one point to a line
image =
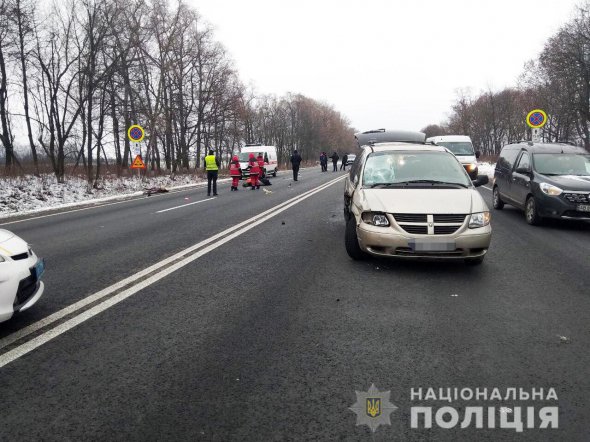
557	81
76	75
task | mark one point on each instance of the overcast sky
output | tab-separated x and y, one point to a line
394	64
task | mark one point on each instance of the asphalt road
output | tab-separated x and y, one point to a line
268	335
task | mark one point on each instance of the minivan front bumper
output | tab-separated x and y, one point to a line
559	207
387	242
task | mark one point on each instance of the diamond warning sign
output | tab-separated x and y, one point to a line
138	163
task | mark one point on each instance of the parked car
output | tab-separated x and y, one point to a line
20	275
407	199
462	147
350	158
546	180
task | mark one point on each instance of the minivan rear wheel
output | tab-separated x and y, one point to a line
351	241
496	200
531	213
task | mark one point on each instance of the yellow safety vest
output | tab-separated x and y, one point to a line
210	163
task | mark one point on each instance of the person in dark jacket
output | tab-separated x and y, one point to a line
335	159
295	163
344	161
324	161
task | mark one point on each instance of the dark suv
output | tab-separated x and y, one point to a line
545	180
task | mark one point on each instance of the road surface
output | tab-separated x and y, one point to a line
259	327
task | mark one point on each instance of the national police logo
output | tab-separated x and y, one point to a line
373	408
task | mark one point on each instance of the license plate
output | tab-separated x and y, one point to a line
39	269
583	208
421	245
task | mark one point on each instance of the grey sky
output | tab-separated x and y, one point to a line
394	64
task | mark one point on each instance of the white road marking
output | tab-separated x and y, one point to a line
99	205
184	205
201	249
488	188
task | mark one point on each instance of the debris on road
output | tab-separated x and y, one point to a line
564	339
152	190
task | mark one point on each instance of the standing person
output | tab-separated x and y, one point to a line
235	173
322	159
295	163
212	168
260	160
335	159
344	161
325	165
254	171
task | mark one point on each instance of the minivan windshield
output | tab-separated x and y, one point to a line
417	168
458	147
562	163
245	156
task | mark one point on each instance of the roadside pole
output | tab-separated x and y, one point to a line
536	119
136	134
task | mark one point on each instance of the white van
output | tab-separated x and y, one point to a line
462	147
269	153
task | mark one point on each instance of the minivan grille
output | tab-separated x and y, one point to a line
20	256
410	217
444	218
418	230
445	230
581	198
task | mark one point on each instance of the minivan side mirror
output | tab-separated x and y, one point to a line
477	154
523	170
481	180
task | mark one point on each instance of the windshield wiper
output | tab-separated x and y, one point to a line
372	186
433	182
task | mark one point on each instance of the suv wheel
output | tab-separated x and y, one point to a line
497	201
274	174
351	241
530	212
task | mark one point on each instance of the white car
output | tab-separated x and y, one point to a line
20	275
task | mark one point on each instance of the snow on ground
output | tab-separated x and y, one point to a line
30	194
485	168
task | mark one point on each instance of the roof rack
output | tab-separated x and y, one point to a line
389	136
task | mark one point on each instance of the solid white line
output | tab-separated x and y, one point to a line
72	308
98	205
491	190
184	205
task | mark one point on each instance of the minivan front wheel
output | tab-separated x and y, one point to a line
497	201
351	241
531	213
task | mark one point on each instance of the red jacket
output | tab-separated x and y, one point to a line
254	167
234	167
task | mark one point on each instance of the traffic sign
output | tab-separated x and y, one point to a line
138	163
536	118
135	133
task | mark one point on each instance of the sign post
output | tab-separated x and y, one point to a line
536	119
136	134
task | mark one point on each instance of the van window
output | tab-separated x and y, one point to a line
355	170
458	148
507	158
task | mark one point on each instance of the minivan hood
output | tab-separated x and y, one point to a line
5	235
568	182
429	201
10	244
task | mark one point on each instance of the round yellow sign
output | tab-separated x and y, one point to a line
536	118
135	133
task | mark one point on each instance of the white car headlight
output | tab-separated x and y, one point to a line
480	219
550	189
376	219
471	167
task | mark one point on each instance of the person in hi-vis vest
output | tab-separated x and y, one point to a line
212	168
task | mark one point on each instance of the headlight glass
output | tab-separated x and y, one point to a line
471	167
376	219
550	189
480	219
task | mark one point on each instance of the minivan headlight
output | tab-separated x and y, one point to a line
376	219
480	219
550	189
471	167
